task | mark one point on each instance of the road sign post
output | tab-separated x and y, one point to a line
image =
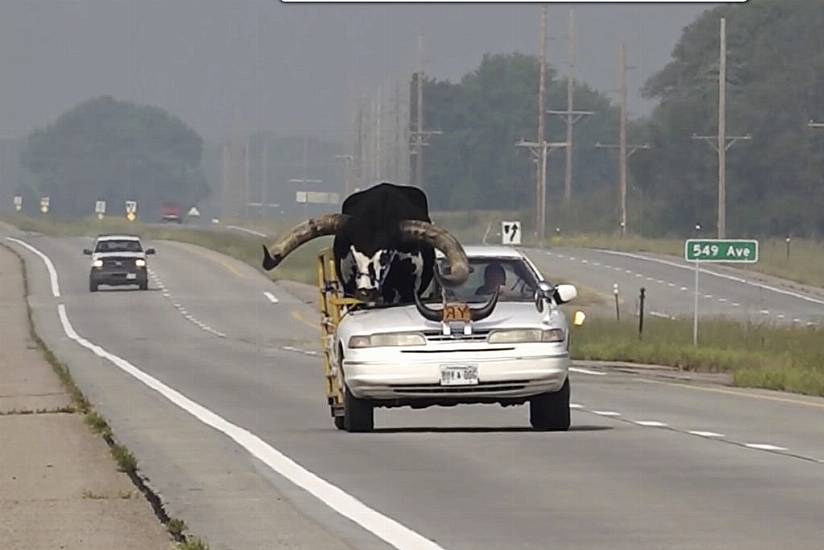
18	203
44	205
100	209
131	210
740	251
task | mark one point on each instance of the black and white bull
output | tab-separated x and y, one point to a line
384	246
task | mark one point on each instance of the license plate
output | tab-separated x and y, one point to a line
131	275
456	312
459	375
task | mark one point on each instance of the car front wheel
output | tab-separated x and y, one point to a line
358	414
550	411
92	286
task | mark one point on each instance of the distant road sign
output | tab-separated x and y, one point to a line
44	204
194	212
18	203
511	233
100	207
131	207
721	250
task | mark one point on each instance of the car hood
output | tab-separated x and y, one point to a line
102	255
407	319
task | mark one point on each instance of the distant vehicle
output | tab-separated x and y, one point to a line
172	213
407	355
118	260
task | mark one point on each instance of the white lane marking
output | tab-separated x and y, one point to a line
596	263
705	434
716	274
661	315
271	297
764	312
575	406
638	275
560	255
571	257
707	295
586	371
764	447
780	315
796	320
683	288
659	281
735	304
607	413
722	300
345	504
584	262
671	284
649	278
651	423
628	271
246	230
55	285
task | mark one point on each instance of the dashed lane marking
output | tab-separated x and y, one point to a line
651	423
271	297
704	434
764	447
607	413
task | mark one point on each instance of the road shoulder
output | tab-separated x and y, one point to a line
59	486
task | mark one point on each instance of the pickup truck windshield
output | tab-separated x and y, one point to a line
118	246
512	275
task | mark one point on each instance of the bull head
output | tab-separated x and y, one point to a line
409	230
475	314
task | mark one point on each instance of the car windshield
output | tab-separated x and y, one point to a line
513	276
124	245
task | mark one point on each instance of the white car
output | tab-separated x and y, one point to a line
393	356
118	260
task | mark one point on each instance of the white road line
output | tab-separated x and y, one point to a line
659	281
246	230
584	262
345	504
683	288
659	314
705	434
638	275
55	285
796	320
764	447
571	257
628	271
586	371
764	312
722	300
780	315
607	413
271	297
707	295
735	304
596	263
649	279
651	423
575	406
716	274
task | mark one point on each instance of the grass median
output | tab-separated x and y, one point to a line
761	356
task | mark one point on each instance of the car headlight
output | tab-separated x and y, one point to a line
389	339
140	262
524	336
97	263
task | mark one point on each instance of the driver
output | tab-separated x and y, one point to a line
494	277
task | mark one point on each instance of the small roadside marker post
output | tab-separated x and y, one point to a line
741	251
641	314
617	307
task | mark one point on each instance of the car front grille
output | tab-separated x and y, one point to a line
118	263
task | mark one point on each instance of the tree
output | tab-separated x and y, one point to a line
115	151
775	85
475	164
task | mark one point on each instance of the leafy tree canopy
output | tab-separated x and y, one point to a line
104	149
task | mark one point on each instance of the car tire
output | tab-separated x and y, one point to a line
339	422
144	285
92	286
550	411
358	414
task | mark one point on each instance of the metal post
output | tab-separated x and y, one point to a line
570	107
695	309
623	136
722	133
788	248
540	217
617	308
419	117
641	314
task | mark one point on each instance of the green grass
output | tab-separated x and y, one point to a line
126	461
762	356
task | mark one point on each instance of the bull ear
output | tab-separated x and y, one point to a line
440	238
301	234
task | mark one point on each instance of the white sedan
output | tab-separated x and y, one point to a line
395	356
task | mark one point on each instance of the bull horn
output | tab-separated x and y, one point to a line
486	310
416	230
426	312
302	233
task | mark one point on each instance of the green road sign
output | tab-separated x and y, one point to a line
721	250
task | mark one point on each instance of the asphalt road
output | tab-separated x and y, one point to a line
670	286
217	388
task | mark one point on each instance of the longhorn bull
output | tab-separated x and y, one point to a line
384	245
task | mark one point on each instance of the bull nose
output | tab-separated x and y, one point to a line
366	294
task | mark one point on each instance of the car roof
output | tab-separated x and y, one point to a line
118	238
488	251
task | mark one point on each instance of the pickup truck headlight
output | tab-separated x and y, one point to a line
389	339
140	262
97	263
525	336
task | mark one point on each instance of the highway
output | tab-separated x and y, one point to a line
670	283
212	378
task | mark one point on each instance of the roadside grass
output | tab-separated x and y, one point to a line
756	355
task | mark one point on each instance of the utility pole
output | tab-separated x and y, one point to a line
625	151
419	136
570	116
246	174
348	160
722	142
264	183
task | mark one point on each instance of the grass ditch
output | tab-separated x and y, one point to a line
124	458
783	358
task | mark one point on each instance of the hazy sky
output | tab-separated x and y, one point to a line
229	66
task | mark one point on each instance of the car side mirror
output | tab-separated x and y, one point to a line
565	293
87	252
150	251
